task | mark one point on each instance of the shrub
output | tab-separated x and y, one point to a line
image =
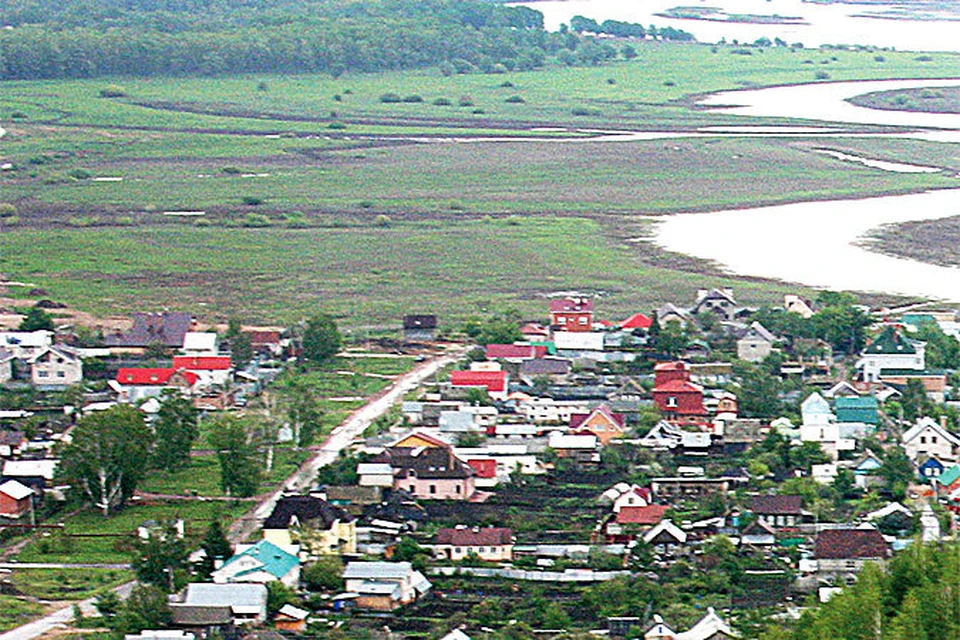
113	91
366	204
256	220
924	58
390	98
83	221
442	102
611	81
478	112
336	125
447	69
821	75
382	220
79	174
202	222
10	221
669	83
7	209
230	170
414	98
583	111
506	85
337	98
124	221
879	59
465	101
252	201
18	115
262	86
515	99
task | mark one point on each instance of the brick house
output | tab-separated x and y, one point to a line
572	314
602	422
430	473
778	512
15	499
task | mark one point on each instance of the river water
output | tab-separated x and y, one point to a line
824	23
820	244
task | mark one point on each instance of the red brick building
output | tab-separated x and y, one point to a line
572	314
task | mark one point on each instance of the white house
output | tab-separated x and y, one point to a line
930	438
25	344
820	426
548	410
262	562
756	344
384	585
891	350
197	343
56	365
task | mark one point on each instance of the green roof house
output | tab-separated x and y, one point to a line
261	563
856	409
891	350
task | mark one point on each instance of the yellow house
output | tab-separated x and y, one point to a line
311	522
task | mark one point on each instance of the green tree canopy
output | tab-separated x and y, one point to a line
36	320
108	456
237	443
321	339
176	427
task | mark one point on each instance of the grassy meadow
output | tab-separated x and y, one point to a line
319	195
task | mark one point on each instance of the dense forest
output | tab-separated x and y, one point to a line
92	38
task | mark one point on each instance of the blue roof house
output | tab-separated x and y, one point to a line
261	563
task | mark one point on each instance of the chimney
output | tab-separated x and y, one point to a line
943	422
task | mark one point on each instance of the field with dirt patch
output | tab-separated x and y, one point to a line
272	197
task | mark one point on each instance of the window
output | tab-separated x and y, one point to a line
561	320
923	440
583	321
433	489
933	439
671	401
458	488
42	374
61	374
413	488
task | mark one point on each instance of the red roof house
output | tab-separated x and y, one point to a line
647	516
637	321
515	351
668	371
485	468
153	377
495	382
679	399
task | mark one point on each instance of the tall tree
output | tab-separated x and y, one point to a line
36	320
146	608
215	547
176	428
237	441
301	408
108	456
160	556
321	338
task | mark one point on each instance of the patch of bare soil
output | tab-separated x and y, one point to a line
933	241
12	308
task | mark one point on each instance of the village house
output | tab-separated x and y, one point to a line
931	438
709	627
571	314
841	553
793	303
319	527
428	472
579	447
756	344
16	499
666	539
204	604
290	618
135	384
261	563
514	352
384	586
166	329
24	345
200	343
210	370
419	328
553	370
889	353
666	490
56	366
601	422
720	302
675	396
863	409
778	512
671	314
491	544
550	411
494	383
6	365
820	426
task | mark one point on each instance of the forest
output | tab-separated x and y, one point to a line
77	39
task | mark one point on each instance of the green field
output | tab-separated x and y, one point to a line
389	215
67	584
16	611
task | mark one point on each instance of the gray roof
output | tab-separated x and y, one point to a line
377	570
230	595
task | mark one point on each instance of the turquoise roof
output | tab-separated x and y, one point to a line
856	409
949	475
275	560
917	319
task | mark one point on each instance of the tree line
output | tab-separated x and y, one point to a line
78	39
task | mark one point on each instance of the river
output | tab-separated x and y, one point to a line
830	24
820	244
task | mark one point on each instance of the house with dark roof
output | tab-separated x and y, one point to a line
430	473
419	328
555	370
319	527
891	351
166	328
779	512
720	302
56	366
492	544
841	553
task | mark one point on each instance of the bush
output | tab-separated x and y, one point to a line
10	221
669	83
366	204
256	220
879	59
390	98
447	68
515	99
821	75
611	81
18	115
262	86
79	174
442	102
583	111
7	209
478	112
83	221
382	220
506	85
252	201
230	170
414	98
124	221
113	91
924	58
465	101
336	125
